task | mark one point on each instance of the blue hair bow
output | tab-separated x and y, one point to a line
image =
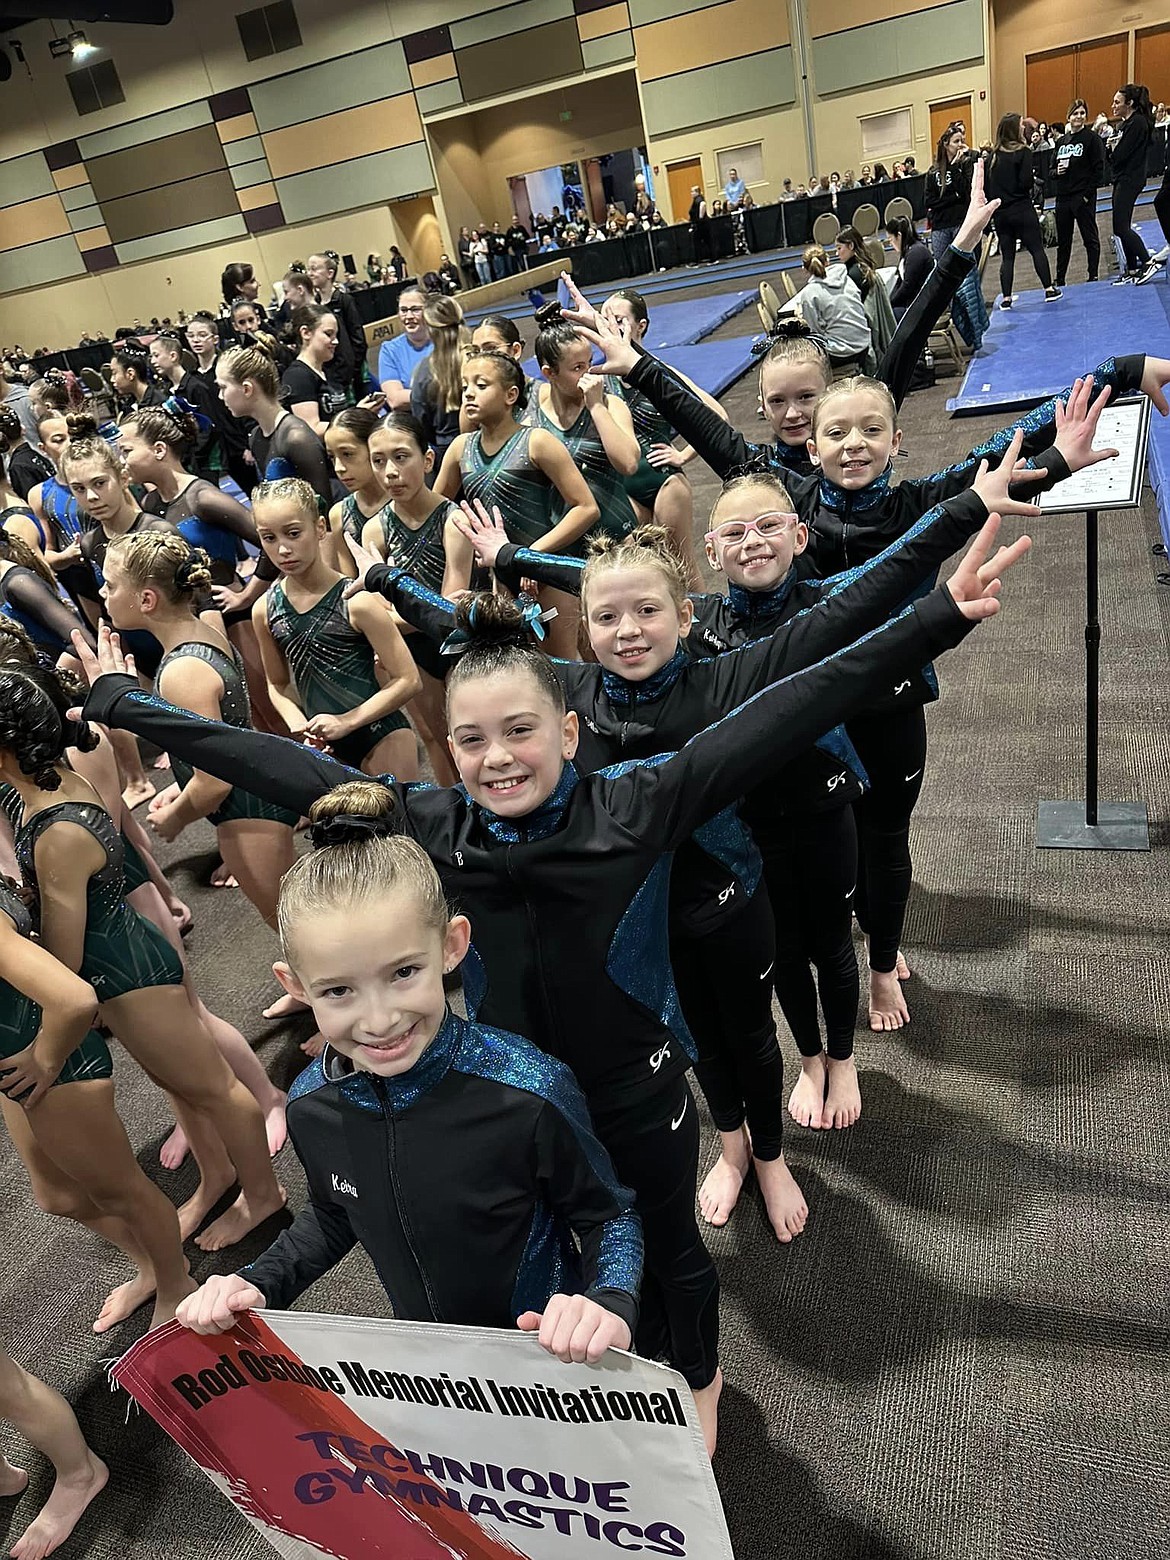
179	406
533	617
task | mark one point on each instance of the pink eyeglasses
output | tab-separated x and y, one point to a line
767	526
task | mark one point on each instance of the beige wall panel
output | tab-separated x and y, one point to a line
374	127
780	135
830	16
422	241
1023	27
838	133
257	195
721	32
427	72
70	178
599	24
92	238
237	129
32	221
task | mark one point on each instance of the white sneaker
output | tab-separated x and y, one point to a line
1148	272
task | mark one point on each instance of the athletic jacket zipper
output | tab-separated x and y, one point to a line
537	946
399	1203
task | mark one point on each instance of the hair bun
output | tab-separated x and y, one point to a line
349	829
549	314
485	619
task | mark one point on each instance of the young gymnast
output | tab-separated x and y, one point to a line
30	596
60	520
347	440
417	529
57	1100
566	878
70	853
46	1421
520	469
490	1168
318	648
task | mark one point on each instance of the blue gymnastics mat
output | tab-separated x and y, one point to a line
1037	348
713	365
680	325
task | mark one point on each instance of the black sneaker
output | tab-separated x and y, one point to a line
1051	294
1005	303
1122	279
1148	272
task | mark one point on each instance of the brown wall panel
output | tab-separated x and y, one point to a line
174	206
32	221
600	23
70	178
441	67
709	36
238	128
158	163
335	138
523	60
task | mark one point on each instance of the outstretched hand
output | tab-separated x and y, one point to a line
365	561
979	212
618	356
1076	426
485	532
583	312
994	486
976	584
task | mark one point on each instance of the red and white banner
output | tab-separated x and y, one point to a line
355	1438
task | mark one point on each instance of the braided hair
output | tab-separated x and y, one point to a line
499	641
34	726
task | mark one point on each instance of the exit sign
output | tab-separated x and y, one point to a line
566	115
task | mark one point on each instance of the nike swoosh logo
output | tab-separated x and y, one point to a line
677	1122
914	776
769	970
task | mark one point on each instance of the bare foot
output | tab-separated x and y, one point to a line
239	1220
61	1512
166	1305
284	1007
173	1152
163	761
137	792
807	1100
887	1005
901	968
124	1301
275	1125
843	1105
222	878
206	1195
784	1200
719	1192
314	1045
181	916
707	1403
13	1480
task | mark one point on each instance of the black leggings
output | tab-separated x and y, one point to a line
1020	223
1125	194
740	1068
1081	210
810	867
893	749
1162	204
654	1145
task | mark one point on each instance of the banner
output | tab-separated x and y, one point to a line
354	1438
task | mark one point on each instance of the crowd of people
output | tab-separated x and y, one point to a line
489	582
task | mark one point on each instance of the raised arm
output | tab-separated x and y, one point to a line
29	594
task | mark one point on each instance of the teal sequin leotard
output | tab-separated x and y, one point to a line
651	427
607	485
511	479
354	518
123	952
20	1017
234	710
419	550
332	665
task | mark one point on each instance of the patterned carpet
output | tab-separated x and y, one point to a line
963	1358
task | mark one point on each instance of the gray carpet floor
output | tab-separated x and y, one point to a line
964	1356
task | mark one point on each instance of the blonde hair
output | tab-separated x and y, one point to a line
790	351
854	384
93	447
357	865
164	561
240	363
451	338
290	490
756	479
645	547
815	260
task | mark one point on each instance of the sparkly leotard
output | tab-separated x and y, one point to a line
123	952
332	665
607	485
20	1016
234	710
651	427
512	480
419	550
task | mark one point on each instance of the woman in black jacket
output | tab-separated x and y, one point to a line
1131	108
1009	181
914	263
1079	164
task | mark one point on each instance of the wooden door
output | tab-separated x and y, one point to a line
1152	62
680	178
944	114
1102	67
1051	85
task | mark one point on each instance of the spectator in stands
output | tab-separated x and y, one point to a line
848	179
880	173
481	254
449	275
866	174
734	190
787	192
909	167
548	244
374	269
914	263
466	263
517	236
851	253
643	207
501	258
347	367
396	266
832	306
400	356
1161	117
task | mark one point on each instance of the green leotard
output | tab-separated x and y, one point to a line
607	485
20	1016
511	479
234	710
419	550
123	952
651	427
353	519
332	665
134	869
